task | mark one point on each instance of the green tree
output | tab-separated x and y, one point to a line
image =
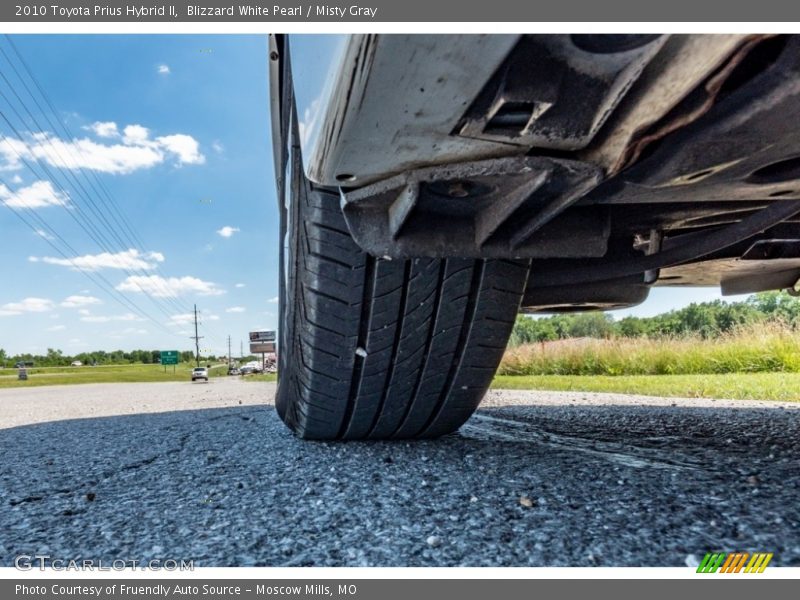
632	327
777	304
54	358
528	329
591	324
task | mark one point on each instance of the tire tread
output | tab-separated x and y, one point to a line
389	348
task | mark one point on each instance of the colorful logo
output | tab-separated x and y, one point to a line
734	562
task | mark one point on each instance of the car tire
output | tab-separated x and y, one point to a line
372	348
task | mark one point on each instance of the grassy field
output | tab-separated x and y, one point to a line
103	374
263	377
755	349
734	386
750	386
759	363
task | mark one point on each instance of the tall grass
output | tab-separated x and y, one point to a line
754	348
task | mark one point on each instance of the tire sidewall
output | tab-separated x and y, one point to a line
287	275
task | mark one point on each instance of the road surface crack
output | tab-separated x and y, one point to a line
483	426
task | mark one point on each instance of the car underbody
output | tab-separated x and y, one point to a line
611	161
433	186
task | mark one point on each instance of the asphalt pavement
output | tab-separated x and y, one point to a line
210	474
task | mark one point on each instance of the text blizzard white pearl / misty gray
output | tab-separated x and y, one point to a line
259	10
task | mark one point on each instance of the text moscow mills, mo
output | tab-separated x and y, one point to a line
140	11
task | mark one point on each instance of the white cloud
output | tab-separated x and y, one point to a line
109	318
77	301
162	287
43	234
133	151
217	147
227	231
163	69
16	180
135	134
37	195
181	319
28	305
56	328
104	129
235	309
185	147
131	331
84	311
128	259
273	300
240	285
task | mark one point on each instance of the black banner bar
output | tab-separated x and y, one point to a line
283	11
400	589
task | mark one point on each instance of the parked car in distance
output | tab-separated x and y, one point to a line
199	373
232	370
76	363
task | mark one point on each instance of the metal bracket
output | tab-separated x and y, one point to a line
502	208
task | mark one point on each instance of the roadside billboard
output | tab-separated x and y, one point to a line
259	347
263	335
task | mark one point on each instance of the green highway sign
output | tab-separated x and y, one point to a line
169	357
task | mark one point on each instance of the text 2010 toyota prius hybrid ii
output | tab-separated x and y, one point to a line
433	186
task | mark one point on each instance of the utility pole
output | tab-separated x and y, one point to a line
229	351
196	338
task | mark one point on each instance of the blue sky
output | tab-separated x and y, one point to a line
176	128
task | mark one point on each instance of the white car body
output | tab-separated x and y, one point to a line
199	373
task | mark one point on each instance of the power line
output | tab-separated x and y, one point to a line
98	226
131	236
100	280
65	129
69	212
94	231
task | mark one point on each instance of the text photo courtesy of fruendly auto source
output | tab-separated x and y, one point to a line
400	300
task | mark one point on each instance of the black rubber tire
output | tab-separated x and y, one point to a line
379	349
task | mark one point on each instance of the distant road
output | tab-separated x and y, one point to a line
207	472
27	405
